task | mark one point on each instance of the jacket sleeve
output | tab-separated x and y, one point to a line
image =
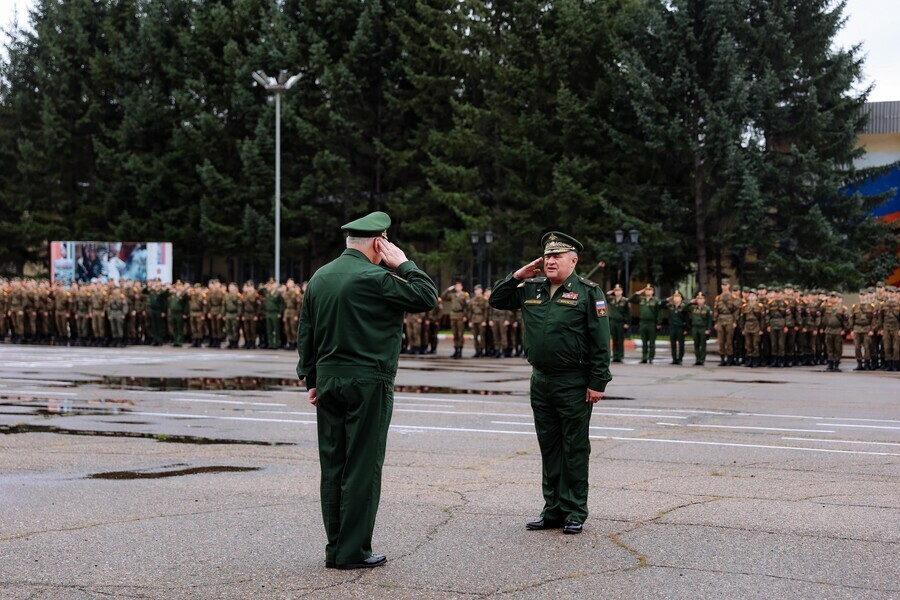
598	343
306	347
410	289
505	295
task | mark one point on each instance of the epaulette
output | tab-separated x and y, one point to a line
587	282
539	279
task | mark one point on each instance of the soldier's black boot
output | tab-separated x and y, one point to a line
723	361
830	366
859	366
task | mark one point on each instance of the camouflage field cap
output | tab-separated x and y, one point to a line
555	242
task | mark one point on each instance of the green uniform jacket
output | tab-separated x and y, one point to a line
569	332
678	315
651	308
351	323
619	310
701	317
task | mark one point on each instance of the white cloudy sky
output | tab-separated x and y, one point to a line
871	22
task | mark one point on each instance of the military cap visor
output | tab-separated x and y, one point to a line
372	225
555	242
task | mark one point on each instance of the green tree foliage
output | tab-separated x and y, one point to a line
721	129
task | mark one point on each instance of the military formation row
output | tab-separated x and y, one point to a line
96	314
779	327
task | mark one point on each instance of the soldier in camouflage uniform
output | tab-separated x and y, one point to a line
457	301
197	303
117	309
701	326
293	302
249	314
62	308
98	315
752	322
233	306
834	323
864	322
725	309
478	309
215	315
18	301
5	324
137	324
890	328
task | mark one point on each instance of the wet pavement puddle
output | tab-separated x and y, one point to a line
199	383
124	475
158	437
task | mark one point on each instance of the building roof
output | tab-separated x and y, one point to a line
884	117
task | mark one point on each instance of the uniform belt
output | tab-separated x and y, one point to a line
578	371
353	372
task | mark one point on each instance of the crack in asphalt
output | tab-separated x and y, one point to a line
28	534
779	577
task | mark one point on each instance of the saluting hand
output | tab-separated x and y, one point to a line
392	255
592	396
529	270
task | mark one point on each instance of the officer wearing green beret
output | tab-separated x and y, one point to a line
350	332
567	343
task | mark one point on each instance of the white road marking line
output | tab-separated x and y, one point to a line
859	426
287	412
799	439
423	405
227	402
49	382
453	412
39	394
189	416
524	400
597	412
531	423
745	427
763	446
817	418
462	429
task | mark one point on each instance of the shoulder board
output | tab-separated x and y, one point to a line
540	279
587	282
395	276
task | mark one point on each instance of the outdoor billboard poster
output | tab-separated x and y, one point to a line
84	262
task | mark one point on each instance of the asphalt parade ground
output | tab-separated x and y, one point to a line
193	473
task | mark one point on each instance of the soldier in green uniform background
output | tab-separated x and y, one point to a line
177	313
619	321
196	299
457	301
701	325
293	302
776	326
567	343
678	322
215	313
5	325
17	306
98	314
62	309
157	304
350	335
117	309
649	321
273	306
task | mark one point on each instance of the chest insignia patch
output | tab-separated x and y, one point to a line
570	295
601	308
567	302
534	301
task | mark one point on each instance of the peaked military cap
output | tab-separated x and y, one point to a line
879	284
833	293
700	295
726	281
372	225
555	242
677	293
617	287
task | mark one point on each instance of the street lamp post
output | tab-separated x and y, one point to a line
481	245
277	86
627	246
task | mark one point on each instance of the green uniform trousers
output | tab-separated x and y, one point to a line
176	323
648	340
562	420
699	336
273	330
458	326
353	416
834	346
676	340
617	332
157	326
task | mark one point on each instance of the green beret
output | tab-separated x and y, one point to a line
555	242
372	225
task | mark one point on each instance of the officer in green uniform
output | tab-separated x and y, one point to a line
349	336
177	312
567	343
701	325
117	309
650	321
157	303
273	307
678	322
619	321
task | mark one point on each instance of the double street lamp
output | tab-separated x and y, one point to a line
276	86
481	245
627	246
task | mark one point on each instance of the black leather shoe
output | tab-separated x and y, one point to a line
542	523
376	560
572	527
